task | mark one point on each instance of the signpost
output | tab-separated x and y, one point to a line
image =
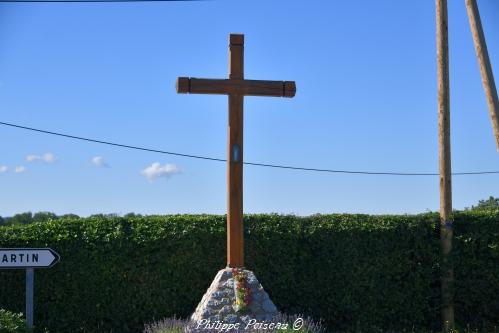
28	259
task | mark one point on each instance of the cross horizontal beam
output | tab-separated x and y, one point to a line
236	87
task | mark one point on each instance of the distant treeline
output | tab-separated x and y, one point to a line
26	218
29	217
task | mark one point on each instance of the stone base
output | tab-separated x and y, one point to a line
217	304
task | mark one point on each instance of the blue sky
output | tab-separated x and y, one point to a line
366	100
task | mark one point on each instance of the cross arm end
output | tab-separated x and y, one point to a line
289	89
183	85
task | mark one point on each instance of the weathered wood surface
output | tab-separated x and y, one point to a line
444	150
235	229
485	67
236	87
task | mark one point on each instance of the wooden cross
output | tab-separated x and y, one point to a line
236	87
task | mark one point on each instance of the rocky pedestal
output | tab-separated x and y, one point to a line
218	303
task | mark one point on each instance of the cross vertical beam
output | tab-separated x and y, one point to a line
235	229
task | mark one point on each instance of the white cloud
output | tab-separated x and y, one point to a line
99	162
20	169
156	170
3	168
47	157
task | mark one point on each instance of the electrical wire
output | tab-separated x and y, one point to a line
247	163
80	1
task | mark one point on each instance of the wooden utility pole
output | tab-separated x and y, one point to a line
485	67
236	87
446	226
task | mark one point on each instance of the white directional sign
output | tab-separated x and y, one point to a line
24	258
28	259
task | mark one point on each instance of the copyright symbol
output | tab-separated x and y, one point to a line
298	324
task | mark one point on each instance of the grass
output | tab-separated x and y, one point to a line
179	330
175	325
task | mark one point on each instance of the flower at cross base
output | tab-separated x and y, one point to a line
242	290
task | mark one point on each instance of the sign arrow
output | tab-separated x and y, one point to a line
25	258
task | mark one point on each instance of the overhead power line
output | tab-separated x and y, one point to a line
247	163
79	1
112	143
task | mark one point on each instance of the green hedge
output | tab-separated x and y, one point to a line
353	271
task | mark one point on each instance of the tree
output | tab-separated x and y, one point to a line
131	215
44	217
27	218
70	216
22	218
490	204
